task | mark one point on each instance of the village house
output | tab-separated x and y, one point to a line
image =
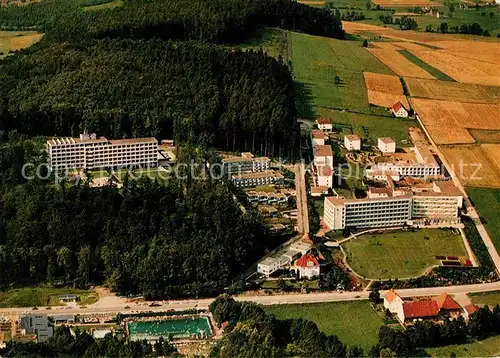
324	124
324	176
323	155
352	142
307	266
468	311
318	137
399	110
386	145
392	301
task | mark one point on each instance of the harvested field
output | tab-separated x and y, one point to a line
386	100
384	45
462	69
383	83
446	135
405	3
400	64
485	136
410	46
452	91
477	50
474	165
311	2
452	114
17	40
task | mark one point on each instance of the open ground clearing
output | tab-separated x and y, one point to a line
474	165
354	322
273	41
40	296
401	254
485	348
486	136
316	63
452	91
487	202
486	298
369	127
17	40
384	90
399	63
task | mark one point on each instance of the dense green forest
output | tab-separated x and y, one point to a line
157	88
160	240
217	21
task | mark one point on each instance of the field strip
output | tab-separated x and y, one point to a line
400	64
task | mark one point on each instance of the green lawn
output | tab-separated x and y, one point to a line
371	127
31	297
401	254
316	63
487	202
432	70
486	298
488	347
354	322
109	5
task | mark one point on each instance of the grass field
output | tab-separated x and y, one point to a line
34	297
316	63
401	254
487	202
486	298
109	5
433	71
370	127
488	347
354	322
273	41
16	40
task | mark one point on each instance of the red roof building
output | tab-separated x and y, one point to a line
307	266
399	110
446	302
420	309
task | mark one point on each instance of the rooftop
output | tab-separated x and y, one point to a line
323	121
318	133
319	189
391	295
353	137
420	309
386	140
256	175
446	302
323	151
307	260
397	106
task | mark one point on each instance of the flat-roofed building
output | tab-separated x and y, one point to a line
247	162
442	202
90	152
268	177
352	142
386	145
39	324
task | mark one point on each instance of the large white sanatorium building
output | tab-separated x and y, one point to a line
90	152
393	208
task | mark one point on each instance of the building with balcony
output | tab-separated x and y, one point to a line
247	162
268	177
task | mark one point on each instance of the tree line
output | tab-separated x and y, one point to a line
239	100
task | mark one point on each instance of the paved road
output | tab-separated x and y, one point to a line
120	304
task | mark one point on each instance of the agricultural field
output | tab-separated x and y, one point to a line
399	63
452	91
486	298
485	348
109	5
384	90
425	66
406	3
354	322
487	202
40	296
318	61
370	127
401	254
486	136
441	134
17	40
474	165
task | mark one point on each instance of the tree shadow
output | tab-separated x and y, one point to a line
304	101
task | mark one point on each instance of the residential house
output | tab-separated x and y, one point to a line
399	110
319	190
324	176
323	155
469	310
386	145
307	266
392	301
318	137
448	306
352	142
324	124
418	310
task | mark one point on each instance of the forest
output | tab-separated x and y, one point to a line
124	88
159	240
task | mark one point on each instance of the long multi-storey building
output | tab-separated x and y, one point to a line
91	152
246	163
246	180
385	207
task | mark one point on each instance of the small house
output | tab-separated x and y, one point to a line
352	142
307	266
70	297
399	110
324	124
386	145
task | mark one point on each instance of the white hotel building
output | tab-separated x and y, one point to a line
388	207
90	152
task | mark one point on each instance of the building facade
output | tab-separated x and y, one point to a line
318	137
324	124
90	152
398	110
386	145
352	142
247	162
245	180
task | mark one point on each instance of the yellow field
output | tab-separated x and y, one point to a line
410	46
486	136
399	64
475	165
386	100
384	90
16	40
405	3
445	135
452	91
311	2
462	69
481	51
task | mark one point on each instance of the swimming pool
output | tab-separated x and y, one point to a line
195	327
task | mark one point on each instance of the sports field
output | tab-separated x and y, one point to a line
354	322
401	254
17	40
317	61
41	296
487	203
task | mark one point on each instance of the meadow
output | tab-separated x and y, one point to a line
487	202
319	61
354	322
486	298
109	5
273	41
488	347
401	254
17	40
41	296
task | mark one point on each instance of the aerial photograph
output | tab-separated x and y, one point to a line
249	178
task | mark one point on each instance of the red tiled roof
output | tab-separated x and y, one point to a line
318	133
445	301
420	309
304	260
398	106
352	137
323	121
323	151
391	295
324	171
471	308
